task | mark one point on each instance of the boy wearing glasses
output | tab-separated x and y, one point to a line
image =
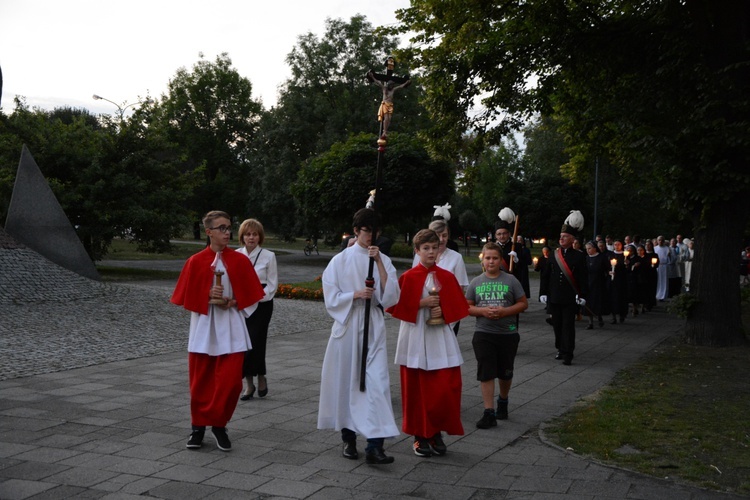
218	336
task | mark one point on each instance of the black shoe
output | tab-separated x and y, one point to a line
248	395
437	445
196	439
568	360
502	409
222	440
548	320
377	457
614	321
488	420
558	356
590	326
262	392
350	450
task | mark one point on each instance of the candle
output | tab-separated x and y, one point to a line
614	263
626	253
653	261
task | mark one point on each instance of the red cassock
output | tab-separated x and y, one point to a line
215	381
431	398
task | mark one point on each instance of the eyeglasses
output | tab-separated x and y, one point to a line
223	229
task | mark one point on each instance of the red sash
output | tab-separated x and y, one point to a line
566	270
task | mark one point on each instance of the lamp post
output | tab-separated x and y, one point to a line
120	109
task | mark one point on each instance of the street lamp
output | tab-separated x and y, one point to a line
120	109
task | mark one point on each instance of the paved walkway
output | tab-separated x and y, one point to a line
94	404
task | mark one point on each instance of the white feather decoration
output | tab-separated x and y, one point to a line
507	215
371	200
442	211
575	219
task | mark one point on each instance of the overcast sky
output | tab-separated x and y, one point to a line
61	52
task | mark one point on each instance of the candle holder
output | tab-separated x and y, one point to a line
433	286
217	280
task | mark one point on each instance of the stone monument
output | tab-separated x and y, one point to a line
36	219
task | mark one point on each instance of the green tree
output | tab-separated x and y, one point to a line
110	181
657	83
209	113
326	100
335	184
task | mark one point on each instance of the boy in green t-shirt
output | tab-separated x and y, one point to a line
495	299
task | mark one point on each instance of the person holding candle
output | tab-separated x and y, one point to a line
597	303
652	277
218	334
564	287
427	350
495	298
448	259
619	283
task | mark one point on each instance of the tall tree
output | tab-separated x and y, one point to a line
660	83
210	113
326	100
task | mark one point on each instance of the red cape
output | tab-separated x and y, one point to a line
197	278
452	300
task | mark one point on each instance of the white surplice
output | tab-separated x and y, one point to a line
342	405
222	331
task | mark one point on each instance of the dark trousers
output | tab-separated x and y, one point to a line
257	327
564	324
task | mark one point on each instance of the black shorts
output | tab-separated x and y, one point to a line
495	355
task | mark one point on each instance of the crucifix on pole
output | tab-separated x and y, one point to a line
389	83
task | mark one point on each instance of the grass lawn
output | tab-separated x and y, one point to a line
680	412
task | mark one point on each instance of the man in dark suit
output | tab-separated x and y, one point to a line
564	286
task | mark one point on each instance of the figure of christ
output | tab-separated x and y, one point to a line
385	112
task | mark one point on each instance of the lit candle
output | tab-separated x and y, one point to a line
535	260
626	253
614	263
653	261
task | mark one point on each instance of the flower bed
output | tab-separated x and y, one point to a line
301	291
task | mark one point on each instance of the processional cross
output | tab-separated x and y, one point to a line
390	83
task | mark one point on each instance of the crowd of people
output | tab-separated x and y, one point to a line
629	276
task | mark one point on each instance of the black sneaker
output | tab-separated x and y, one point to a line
222	440
196	439
350	450
437	445
422	447
502	409
488	420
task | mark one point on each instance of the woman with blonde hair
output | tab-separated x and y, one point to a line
264	261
